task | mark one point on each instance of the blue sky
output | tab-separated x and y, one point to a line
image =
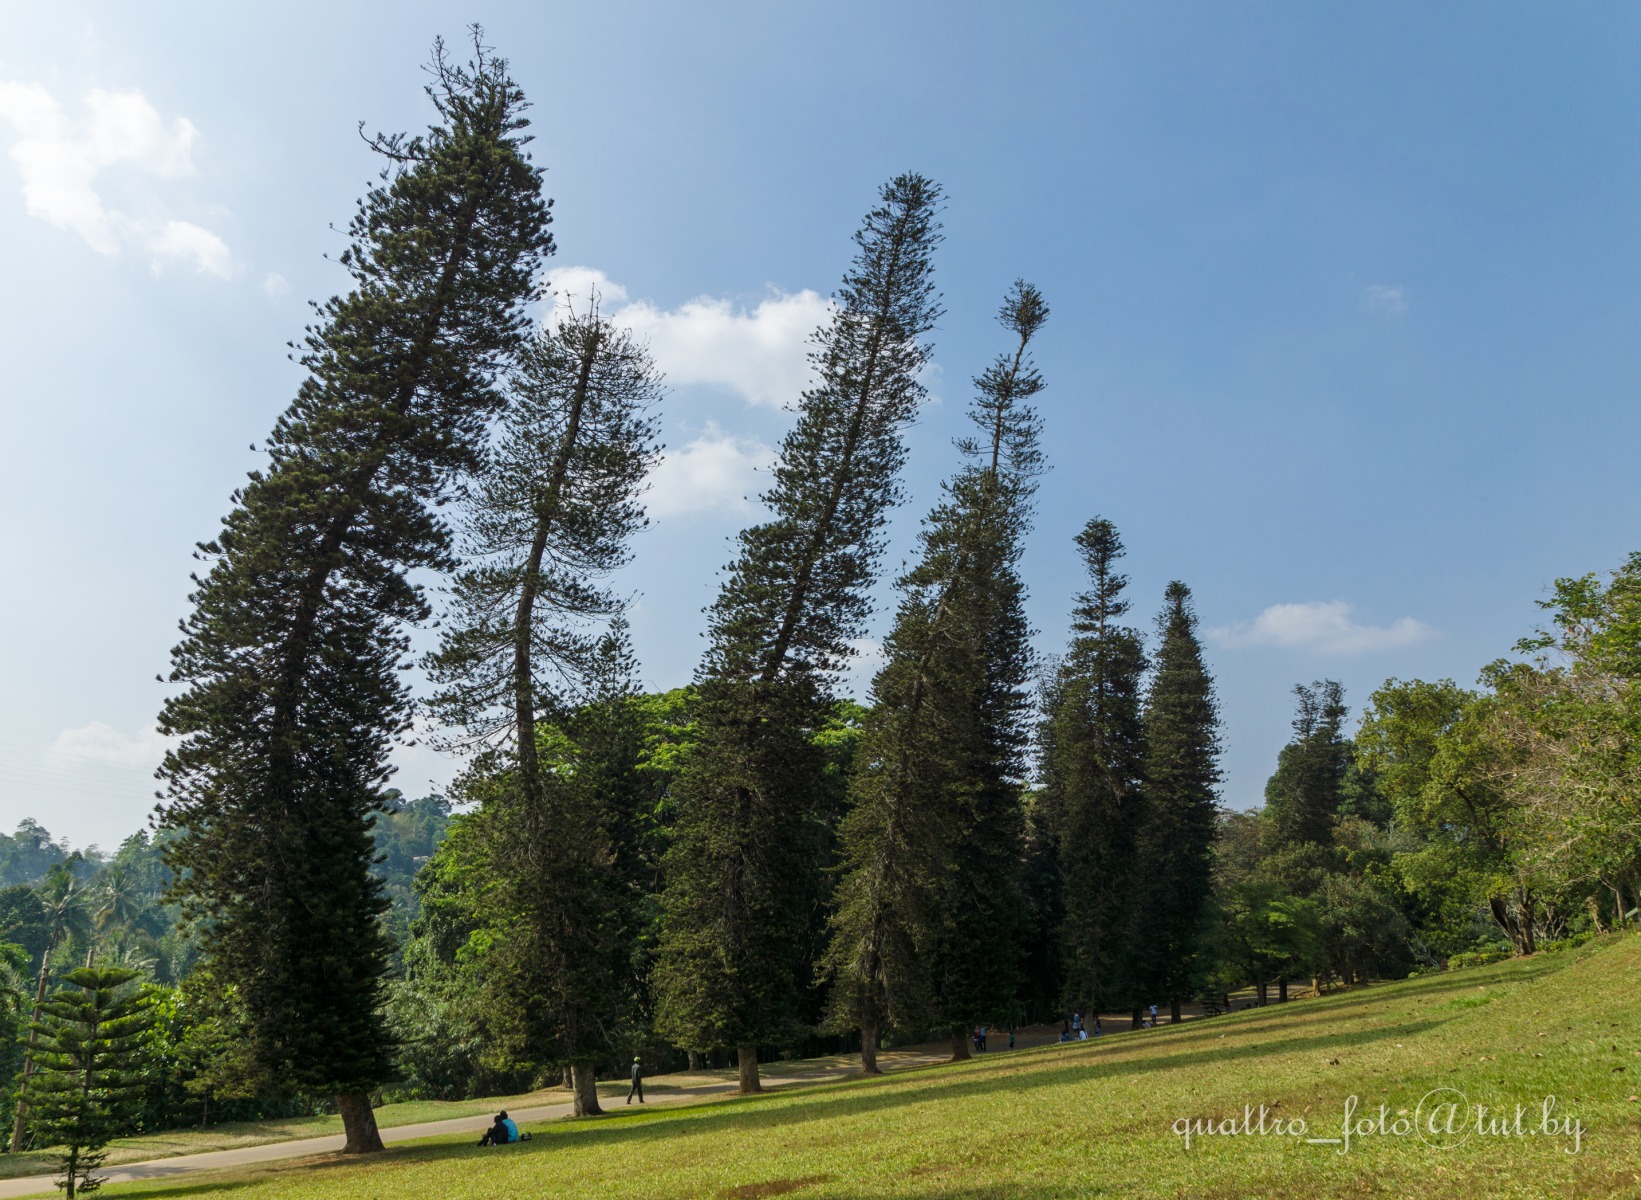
1344	304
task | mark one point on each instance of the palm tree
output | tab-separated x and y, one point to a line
120	900
63	903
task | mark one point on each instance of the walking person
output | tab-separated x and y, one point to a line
637	1088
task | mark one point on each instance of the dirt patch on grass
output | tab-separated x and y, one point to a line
774	1187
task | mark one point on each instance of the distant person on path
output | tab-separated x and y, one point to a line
637	1088
1011	1037
1097	1029
1153	1016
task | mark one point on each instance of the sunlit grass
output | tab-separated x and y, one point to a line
1099	1118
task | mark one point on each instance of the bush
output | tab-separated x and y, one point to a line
1478	958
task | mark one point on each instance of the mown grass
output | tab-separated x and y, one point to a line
235	1134
1098	1118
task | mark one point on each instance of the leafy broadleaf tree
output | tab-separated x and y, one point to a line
93	1037
743	861
1092	763
549	519
929	916
1175	839
290	663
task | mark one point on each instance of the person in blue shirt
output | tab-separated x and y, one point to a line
512	1127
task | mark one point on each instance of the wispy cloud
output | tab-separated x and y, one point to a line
104	745
1389	299
63	164
1324	627
714	472
759	352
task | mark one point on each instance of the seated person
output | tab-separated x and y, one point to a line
498	1134
512	1127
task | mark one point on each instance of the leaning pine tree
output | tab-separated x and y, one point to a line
742	864
291	659
548	519
929	913
1091	763
1174	843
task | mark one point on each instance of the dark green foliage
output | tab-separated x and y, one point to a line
742	873
1304	795
930	913
1092	760
91	1054
1175	839
290	661
613	757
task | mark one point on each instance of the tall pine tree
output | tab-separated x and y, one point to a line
1175	839
929	917
549	518
1303	796
743	860
291	658
1092	764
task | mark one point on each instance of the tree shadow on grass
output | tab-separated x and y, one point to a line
861	1097
182	1189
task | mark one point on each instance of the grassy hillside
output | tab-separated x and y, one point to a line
1099	1118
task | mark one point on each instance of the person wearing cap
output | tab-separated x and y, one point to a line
637	1088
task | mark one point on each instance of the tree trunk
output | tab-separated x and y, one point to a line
868	1049
694	1060
1137	1019
1282	990
359	1123
960	1045
586	1091
28	1056
747	1058
1173	1011
569	1079
1264	992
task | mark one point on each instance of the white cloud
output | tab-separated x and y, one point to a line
61	162
1323	627
183	241
105	745
1385	298
761	353
275	285
715	472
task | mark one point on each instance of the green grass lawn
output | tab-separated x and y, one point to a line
232	1135
1099	1118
